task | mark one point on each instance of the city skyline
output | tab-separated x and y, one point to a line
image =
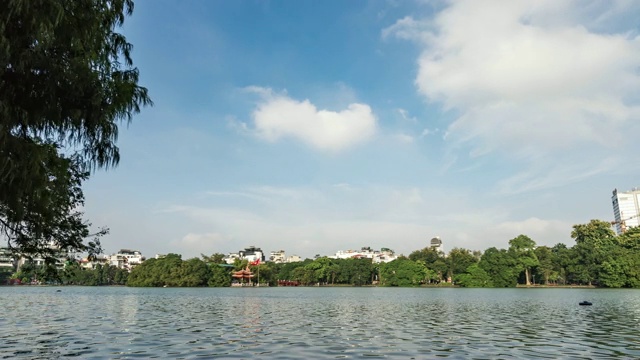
320	126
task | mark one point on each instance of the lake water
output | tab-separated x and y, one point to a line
322	323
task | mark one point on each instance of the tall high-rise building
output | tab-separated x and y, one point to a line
626	209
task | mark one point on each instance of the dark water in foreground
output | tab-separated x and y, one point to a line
295	323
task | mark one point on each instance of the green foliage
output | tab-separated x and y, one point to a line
5	275
614	261
433	260
216	258
172	271
564	261
592	241
428	255
323	271
169	271
26	273
475	276
459	260
285	271
500	266
220	276
630	239
67	81
620	261
265	273
333	271
240	264
545	268
70	273
37	216
357	272
304	275
193	273
522	249
403	272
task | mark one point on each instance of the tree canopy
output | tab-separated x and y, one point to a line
598	258
522	249
67	81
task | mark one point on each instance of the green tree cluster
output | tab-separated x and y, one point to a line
70	273
598	258
172	271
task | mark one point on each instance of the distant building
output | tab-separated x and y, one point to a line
126	259
60	257
384	255
231	258
436	244
98	259
250	253
293	258
278	257
7	260
626	209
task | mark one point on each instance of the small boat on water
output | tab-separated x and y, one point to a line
584	303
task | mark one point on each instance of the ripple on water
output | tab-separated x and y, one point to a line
330	323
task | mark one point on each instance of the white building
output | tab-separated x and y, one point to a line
626	209
98	259
384	255
126	259
278	257
231	258
293	258
6	259
60	257
250	253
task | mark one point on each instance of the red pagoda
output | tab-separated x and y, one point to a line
242	275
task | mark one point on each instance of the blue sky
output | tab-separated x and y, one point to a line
318	126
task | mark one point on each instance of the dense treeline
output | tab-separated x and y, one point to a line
599	257
70	274
171	270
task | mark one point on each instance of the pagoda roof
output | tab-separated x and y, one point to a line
244	273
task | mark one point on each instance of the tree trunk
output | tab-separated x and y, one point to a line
526	275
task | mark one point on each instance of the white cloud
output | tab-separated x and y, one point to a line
278	116
405	116
531	79
409	29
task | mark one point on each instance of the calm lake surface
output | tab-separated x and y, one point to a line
323	323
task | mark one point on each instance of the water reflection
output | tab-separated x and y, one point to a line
318	323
